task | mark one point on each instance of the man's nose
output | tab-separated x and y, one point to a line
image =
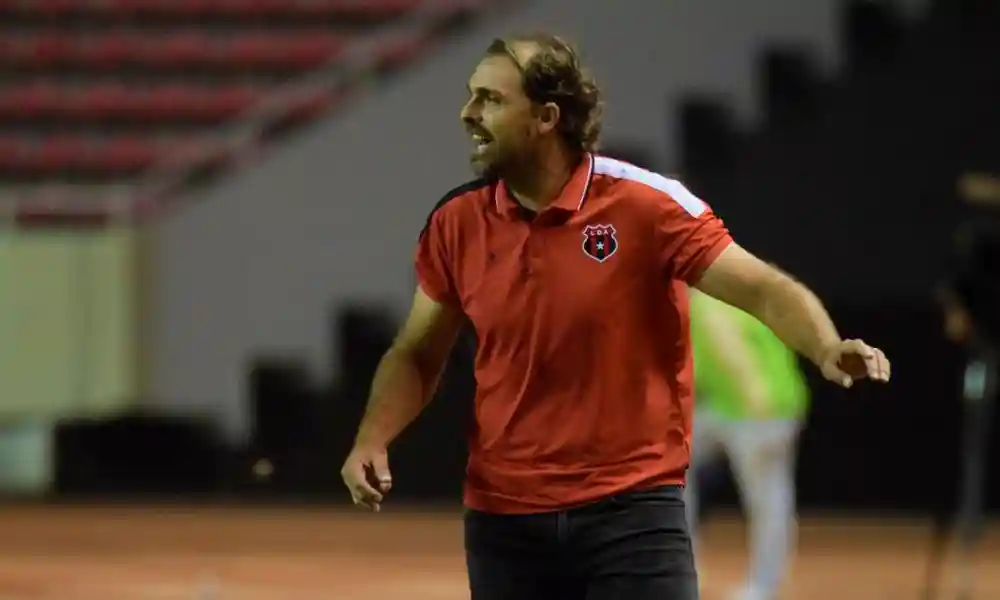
469	115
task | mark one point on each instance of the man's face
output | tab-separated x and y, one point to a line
499	117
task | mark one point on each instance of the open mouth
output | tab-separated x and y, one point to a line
481	140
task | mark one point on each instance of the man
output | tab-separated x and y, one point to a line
573	270
751	399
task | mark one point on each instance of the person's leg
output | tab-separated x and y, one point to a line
634	546
706	450
762	454
513	557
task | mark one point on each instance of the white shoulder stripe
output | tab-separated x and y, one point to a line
671	187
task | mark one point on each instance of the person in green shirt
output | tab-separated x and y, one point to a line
751	400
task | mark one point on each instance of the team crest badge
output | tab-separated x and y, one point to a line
599	242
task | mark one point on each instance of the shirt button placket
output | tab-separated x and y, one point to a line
526	253
535	250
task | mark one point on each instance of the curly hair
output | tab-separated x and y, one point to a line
553	73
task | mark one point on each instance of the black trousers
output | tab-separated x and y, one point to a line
632	546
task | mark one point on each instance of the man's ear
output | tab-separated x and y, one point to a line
548	117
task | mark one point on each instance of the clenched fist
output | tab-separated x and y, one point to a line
366	474
851	360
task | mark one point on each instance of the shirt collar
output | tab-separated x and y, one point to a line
571	199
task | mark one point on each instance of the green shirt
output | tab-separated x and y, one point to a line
786	391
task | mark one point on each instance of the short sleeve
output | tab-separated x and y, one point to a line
433	264
689	235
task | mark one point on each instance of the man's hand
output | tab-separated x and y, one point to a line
366	474
851	360
404	381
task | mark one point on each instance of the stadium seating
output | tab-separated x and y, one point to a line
103	93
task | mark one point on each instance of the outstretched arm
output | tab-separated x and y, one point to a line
696	248
789	308
793	312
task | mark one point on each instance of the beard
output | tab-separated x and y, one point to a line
487	161
498	159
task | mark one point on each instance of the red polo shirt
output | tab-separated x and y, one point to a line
583	366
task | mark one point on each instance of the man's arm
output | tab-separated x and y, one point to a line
408	374
696	248
790	309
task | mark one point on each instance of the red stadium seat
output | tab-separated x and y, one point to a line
101	101
29	101
125	155
93	85
117	101
400	50
12	153
105	50
300	51
179	50
204	8
60	154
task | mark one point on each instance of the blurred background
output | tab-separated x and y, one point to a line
211	208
